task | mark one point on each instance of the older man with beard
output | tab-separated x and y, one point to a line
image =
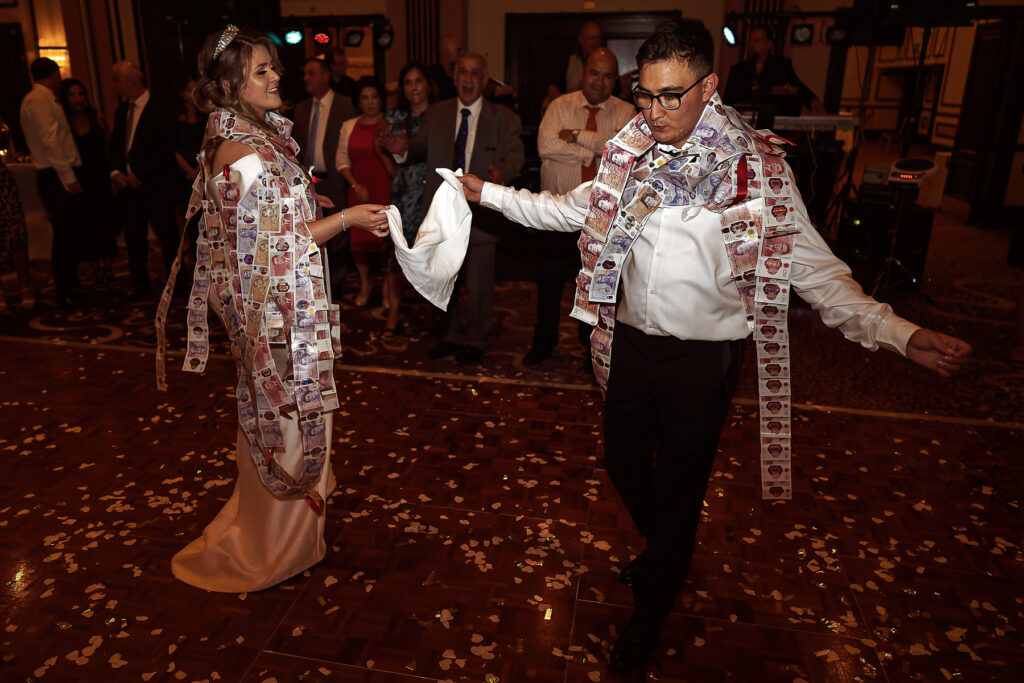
480	137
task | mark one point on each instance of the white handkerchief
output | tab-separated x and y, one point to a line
433	262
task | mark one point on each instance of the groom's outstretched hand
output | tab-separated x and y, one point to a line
938	352
472	186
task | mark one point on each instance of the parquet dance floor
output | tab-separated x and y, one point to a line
474	535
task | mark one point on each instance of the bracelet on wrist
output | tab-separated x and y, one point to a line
343	228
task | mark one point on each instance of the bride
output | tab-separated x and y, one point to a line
260	269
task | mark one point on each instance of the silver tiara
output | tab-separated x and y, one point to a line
226	36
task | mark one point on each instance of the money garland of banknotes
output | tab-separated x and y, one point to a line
257	259
738	172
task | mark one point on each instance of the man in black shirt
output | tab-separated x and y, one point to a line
765	79
341	82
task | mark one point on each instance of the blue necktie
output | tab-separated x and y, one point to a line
459	159
314	129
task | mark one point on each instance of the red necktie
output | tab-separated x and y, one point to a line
589	171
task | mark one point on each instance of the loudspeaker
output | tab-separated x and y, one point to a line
864	227
912	238
872	24
866	232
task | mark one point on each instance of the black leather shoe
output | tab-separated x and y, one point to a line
468	355
635	646
535	355
442	350
628	575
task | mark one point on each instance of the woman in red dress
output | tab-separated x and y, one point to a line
368	171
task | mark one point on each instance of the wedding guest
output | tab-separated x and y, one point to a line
368	171
96	233
13	235
415	94
57	162
144	172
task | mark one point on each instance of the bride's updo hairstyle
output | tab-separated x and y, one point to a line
224	69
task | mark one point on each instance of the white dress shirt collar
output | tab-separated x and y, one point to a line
474	119
581	101
325	102
673	151
474	109
46	91
142	100
138	104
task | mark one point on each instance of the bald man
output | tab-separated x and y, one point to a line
143	172
570	142
587	41
443	70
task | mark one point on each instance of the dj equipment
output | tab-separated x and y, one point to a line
813	123
927	175
884	236
911	172
803	123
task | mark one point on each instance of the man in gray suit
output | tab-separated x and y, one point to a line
482	138
317	124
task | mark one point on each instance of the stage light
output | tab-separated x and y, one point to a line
354	38
322	38
293	37
802	34
386	37
835	34
274	38
730	29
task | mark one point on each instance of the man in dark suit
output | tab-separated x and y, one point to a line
482	138
341	82
317	124
143	172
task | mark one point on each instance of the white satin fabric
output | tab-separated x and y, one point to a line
258	540
433	262
677	279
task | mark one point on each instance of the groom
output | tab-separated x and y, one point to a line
680	322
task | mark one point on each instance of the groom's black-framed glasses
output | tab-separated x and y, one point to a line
668	100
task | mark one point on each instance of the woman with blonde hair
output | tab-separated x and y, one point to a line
259	267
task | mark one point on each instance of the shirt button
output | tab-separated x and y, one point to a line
652	291
659	253
651	325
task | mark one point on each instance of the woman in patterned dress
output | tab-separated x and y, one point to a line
13	235
415	94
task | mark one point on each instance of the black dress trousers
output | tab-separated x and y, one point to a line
558	259
666	403
65	211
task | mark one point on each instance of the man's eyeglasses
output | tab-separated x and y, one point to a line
667	100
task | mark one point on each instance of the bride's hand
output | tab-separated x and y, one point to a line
369	217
